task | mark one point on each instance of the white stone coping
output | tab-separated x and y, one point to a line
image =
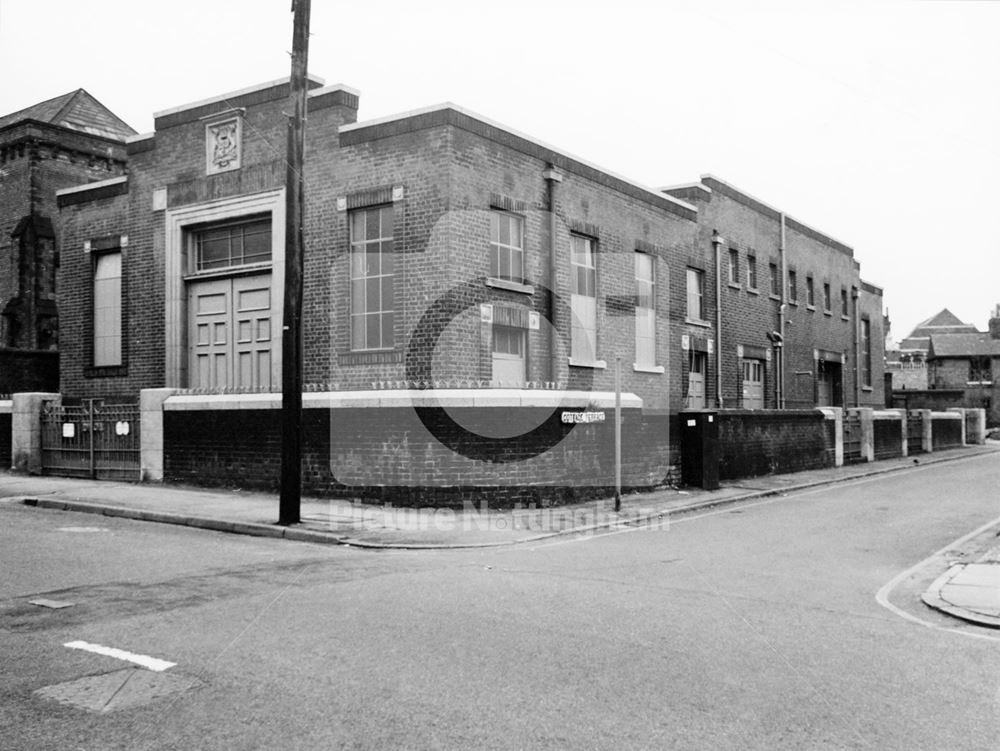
92	186
233	95
831	413
140	137
409	398
6	406
947	415
888	414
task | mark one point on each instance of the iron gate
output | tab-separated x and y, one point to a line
914	433
92	439
852	439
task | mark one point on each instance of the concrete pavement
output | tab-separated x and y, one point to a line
970	591
339	521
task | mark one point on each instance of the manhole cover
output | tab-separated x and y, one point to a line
130	687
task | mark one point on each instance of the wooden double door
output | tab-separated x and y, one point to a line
231	333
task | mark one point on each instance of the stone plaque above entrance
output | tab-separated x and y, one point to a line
223	145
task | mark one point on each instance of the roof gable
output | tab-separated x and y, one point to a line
943	322
77	110
963	345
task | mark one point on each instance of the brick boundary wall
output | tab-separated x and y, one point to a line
28	370
762	442
5	440
394	455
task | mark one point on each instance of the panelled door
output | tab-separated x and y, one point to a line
824	384
753	384
696	381
508	355
230	333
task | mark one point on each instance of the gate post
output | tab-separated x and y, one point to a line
904	438
26	430
836	414
867	415
151	433
976	431
928	429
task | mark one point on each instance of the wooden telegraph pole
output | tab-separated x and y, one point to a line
291	340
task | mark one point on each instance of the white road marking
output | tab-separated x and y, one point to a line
882	596
150	663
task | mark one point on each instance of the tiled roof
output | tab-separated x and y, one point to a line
963	345
77	110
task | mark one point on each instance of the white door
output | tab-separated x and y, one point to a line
696	381
753	384
508	355
230	333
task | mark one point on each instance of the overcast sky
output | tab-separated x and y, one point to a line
874	122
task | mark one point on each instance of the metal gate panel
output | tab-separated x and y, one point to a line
95	440
852	438
915	434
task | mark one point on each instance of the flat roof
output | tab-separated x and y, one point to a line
517	134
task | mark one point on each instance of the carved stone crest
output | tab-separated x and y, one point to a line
223	145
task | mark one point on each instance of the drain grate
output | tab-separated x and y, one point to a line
130	687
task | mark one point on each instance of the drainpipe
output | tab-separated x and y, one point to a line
717	244
781	315
857	345
552	179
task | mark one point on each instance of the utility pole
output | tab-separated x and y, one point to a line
291	339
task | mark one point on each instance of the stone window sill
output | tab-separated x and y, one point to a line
595	364
698	322
509	285
656	369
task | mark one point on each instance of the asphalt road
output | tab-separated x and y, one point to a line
752	627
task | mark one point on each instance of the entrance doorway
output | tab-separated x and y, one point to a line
753	384
696	381
230	333
828	382
508	355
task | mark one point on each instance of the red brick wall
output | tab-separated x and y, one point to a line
747	315
81	223
28	370
418	457
762	442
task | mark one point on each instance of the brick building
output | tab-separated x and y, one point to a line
55	144
966	366
450	260
799	327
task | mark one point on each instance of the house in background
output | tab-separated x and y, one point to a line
55	144
968	365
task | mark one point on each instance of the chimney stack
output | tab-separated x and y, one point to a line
995	323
